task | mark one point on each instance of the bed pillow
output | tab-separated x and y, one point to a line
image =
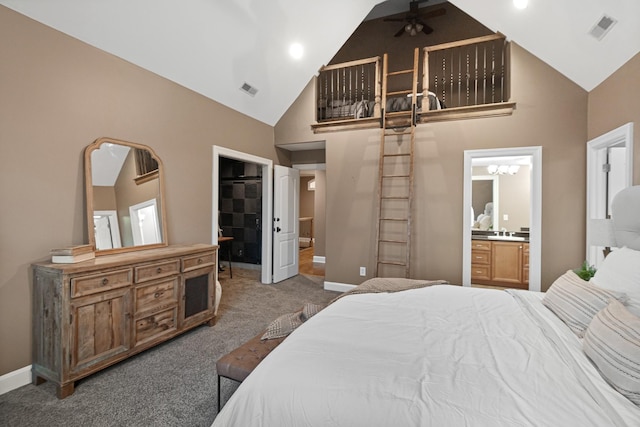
283	325
576	301
309	310
612	342
620	271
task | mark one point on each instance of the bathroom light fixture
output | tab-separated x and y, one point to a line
503	169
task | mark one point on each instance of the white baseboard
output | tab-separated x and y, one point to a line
15	379
338	287
319	259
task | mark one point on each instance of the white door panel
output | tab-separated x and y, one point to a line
285	222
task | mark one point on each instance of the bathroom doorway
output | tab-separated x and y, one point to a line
240	211
506	215
266	235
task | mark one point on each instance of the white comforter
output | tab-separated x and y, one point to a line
438	356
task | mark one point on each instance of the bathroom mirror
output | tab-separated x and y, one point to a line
125	197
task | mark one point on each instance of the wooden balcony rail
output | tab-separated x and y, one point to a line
467	73
349	90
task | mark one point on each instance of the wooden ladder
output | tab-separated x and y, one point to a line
395	177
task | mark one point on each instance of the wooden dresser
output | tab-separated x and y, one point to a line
92	314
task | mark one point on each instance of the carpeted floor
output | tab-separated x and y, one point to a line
175	383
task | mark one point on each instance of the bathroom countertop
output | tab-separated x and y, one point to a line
499	239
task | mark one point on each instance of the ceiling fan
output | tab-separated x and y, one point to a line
414	21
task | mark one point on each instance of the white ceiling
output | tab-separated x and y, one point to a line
214	46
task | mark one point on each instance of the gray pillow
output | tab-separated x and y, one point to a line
309	310
576	302
283	325
612	342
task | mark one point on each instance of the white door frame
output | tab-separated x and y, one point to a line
267	203
596	184
535	208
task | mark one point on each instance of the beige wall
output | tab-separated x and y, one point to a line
320	220
59	95
615	102
551	112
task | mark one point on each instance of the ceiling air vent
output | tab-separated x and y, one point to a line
602	27
246	87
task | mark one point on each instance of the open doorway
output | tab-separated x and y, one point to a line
311	216
609	170
265	166
503	226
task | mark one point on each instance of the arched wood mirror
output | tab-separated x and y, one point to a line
125	197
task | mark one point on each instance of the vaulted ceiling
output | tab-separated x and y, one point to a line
214	47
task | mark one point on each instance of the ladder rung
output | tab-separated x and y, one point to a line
394	219
393	241
395	73
391	263
395	176
400	92
397	155
405	132
394	197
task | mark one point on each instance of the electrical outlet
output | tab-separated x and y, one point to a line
239	252
363	271
505	217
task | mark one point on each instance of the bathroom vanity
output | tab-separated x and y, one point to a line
500	260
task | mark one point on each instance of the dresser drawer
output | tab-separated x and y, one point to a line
91	284
156	325
153	296
198	261
157	270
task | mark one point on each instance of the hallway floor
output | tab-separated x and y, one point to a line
306	264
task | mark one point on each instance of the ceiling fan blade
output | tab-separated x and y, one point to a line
427	29
434	13
394	19
399	33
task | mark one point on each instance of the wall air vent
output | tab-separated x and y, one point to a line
246	87
602	27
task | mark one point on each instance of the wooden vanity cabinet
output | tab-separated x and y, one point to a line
92	314
506	262
480	260
500	263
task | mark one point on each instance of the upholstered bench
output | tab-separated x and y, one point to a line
239	363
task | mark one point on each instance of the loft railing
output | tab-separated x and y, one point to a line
468	72
463	79
350	90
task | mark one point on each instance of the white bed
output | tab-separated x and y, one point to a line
441	356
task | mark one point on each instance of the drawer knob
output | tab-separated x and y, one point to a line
159	270
157	294
199	260
105	281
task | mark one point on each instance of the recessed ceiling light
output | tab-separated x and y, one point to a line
520	4
296	50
